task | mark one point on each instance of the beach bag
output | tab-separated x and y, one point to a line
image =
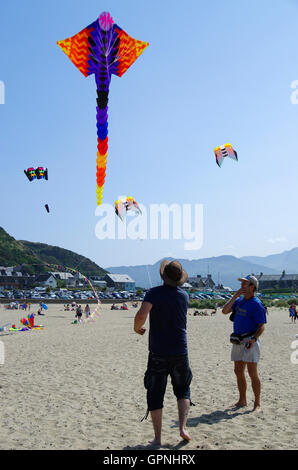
236	338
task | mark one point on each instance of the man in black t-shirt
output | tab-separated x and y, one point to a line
168	355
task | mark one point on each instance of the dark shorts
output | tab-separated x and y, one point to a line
156	376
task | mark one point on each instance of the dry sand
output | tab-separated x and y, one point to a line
81	386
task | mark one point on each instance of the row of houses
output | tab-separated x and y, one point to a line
266	281
278	281
16	278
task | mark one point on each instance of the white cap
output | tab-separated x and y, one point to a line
251	279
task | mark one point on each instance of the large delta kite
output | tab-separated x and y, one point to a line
102	49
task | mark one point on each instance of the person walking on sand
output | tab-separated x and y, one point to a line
87	311
249	318
79	313
168	354
293	313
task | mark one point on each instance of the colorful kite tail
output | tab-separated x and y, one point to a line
102	141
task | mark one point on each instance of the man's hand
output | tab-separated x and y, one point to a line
239	293
227	308
141	318
250	343
141	331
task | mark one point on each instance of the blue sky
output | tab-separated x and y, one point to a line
214	72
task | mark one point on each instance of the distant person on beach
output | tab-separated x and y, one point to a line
249	318
87	311
293	313
79	313
168	354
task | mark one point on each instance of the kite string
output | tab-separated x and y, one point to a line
97	308
108	48
119	56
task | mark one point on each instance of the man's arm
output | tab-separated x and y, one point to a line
227	308
141	317
260	330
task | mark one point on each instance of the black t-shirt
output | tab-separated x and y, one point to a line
168	318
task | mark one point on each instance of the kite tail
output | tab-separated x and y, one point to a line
102	141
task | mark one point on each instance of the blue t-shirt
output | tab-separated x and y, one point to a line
249	313
168	317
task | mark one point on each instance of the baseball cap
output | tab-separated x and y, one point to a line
251	279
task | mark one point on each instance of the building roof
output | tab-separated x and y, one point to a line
120	277
270	277
278	277
10	273
187	285
62	276
205	280
290	277
44	277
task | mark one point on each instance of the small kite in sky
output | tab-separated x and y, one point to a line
122	206
102	49
36	173
224	151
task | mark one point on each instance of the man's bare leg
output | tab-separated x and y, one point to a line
183	408
252	368
239	369
156	417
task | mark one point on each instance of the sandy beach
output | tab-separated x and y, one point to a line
81	386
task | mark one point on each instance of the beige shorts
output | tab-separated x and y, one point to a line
240	353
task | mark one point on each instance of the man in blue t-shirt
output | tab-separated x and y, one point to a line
168	355
249	318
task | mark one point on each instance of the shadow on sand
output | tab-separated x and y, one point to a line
217	416
178	446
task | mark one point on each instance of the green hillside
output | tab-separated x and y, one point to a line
60	256
16	253
13	253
